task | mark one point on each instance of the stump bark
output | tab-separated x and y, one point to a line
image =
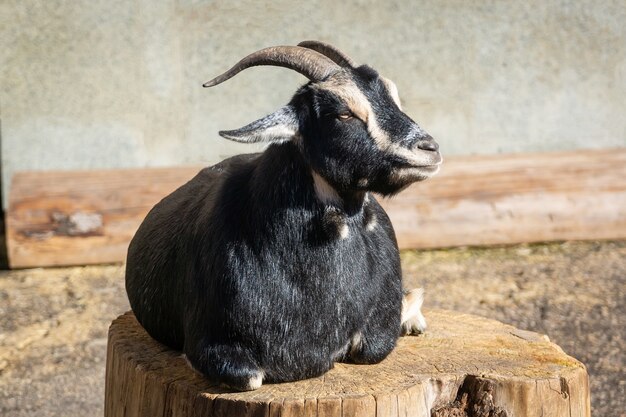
464	366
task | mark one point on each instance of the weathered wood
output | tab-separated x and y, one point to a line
504	199
463	366
46	223
65	218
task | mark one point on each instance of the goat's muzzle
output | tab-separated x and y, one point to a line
423	160
428	144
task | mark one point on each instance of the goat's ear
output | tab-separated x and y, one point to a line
280	126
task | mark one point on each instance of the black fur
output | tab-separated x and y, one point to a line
245	268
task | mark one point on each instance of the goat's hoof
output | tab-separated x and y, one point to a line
413	321
245	384
414	326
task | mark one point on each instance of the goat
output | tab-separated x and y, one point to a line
273	266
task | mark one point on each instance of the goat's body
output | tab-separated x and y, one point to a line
241	269
276	265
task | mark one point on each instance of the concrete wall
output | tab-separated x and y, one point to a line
116	83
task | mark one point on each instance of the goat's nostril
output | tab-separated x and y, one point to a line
428	145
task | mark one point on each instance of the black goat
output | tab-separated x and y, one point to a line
273	266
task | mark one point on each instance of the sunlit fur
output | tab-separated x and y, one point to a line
270	267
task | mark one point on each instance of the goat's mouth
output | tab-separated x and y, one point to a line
407	173
430	169
425	161
423	166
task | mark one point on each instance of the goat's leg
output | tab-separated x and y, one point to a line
413	322
378	336
371	345
230	365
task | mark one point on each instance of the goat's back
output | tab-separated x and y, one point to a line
155	280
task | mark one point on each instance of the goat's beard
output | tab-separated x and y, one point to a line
398	180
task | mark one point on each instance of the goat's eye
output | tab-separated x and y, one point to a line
346	115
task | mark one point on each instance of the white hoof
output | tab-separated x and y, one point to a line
255	382
413	322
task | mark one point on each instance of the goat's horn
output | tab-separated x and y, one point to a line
307	62
330	51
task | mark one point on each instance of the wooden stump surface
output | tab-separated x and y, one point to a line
463	365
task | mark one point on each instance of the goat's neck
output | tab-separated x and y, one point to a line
283	170
349	202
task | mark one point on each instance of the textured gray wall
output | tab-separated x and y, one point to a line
116	83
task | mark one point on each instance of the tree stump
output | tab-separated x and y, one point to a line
463	365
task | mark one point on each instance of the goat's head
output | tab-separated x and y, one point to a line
347	121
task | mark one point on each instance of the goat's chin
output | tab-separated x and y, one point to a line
399	179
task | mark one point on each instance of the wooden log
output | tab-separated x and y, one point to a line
462	366
66	218
86	217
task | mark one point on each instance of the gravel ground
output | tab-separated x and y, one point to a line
53	322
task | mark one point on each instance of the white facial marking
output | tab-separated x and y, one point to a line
401	175
349	92
345	88
415	158
393	91
324	191
413	322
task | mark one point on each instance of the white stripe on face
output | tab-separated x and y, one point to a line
346	89
342	86
393	91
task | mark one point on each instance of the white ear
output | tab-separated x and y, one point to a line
280	126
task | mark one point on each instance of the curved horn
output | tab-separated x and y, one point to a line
330	51
307	62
